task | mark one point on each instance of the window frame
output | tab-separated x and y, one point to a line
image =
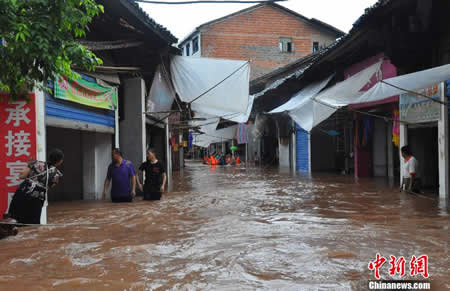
188	49
286	45
314	49
195	45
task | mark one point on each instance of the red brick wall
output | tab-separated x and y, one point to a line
255	36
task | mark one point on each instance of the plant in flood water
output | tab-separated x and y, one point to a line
38	42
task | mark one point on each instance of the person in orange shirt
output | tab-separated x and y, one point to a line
238	160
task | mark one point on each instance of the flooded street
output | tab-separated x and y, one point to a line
231	229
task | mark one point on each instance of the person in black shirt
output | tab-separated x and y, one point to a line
155	177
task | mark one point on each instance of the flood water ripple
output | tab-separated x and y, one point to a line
231	229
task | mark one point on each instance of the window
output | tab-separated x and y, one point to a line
188	49
315	47
195	45
286	45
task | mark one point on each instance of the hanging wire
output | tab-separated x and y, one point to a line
385	118
206	92
417	93
221	137
208	1
215	117
215	86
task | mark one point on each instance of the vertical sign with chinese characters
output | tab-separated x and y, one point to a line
18	134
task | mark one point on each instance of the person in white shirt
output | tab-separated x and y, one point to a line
411	179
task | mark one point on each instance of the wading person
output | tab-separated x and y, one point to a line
155	177
27	202
123	176
411	180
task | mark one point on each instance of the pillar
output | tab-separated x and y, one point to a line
117	126
41	139
168	155
443	149
390	151
403	142
181	151
132	127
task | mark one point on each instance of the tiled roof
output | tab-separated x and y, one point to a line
158	28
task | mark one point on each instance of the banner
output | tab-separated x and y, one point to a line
191	139
18	132
242	136
86	93
417	109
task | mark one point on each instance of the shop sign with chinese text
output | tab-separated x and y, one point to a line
18	132
86	93
417	109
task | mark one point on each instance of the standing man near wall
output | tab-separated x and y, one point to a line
122	174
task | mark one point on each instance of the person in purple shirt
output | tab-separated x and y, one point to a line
123	176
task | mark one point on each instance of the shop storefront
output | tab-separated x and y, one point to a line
421	133
373	147
80	119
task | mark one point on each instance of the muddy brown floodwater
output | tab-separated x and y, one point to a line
231	229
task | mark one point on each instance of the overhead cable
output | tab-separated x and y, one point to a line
209	2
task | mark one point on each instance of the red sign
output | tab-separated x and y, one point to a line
18	134
417	266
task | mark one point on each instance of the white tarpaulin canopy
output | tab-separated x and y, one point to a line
208	125
313	111
222	84
242	118
301	97
411	82
224	134
161	95
203	140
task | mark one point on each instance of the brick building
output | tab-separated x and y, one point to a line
268	34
